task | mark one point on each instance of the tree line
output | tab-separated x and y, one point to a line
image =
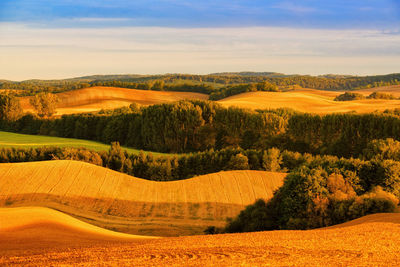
184	126
220	84
377	168
190	126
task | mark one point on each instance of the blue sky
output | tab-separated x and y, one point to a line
54	39
205	13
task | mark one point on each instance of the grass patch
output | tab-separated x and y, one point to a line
10	140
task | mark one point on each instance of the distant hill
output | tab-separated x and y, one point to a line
255	74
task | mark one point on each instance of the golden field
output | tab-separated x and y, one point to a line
314	101
305	100
97	98
121	202
373	240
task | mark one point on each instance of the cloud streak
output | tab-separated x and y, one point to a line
345	14
28	52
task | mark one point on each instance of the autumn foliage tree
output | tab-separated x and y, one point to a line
10	108
45	104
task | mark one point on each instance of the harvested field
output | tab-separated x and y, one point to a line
97	98
308	100
25	218
393	90
374	242
118	201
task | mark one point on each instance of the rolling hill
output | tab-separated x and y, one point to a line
308	100
16	140
120	202
373	240
52	227
393	89
97	98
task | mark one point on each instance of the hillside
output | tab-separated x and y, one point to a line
56	228
394	90
16	140
117	201
373	242
308	100
97	98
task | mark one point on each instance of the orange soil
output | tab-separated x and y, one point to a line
118	201
307	100
373	241
97	98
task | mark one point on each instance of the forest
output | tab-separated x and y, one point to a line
217	85
190	126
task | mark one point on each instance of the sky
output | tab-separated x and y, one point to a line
48	39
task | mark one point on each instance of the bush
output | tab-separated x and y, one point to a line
253	218
347	96
212	230
379	95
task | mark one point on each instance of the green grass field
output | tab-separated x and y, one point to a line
9	140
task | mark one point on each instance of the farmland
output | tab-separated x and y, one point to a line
199	133
117	201
97	98
310	100
373	239
305	100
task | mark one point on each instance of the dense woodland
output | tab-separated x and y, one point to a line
190	126
217	85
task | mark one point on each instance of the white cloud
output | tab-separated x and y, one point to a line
27	52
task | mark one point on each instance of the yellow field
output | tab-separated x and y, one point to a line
393	89
372	241
97	98
23	218
305	100
117	201
314	101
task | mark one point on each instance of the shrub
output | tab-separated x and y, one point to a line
379	95
348	96
252	218
212	230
